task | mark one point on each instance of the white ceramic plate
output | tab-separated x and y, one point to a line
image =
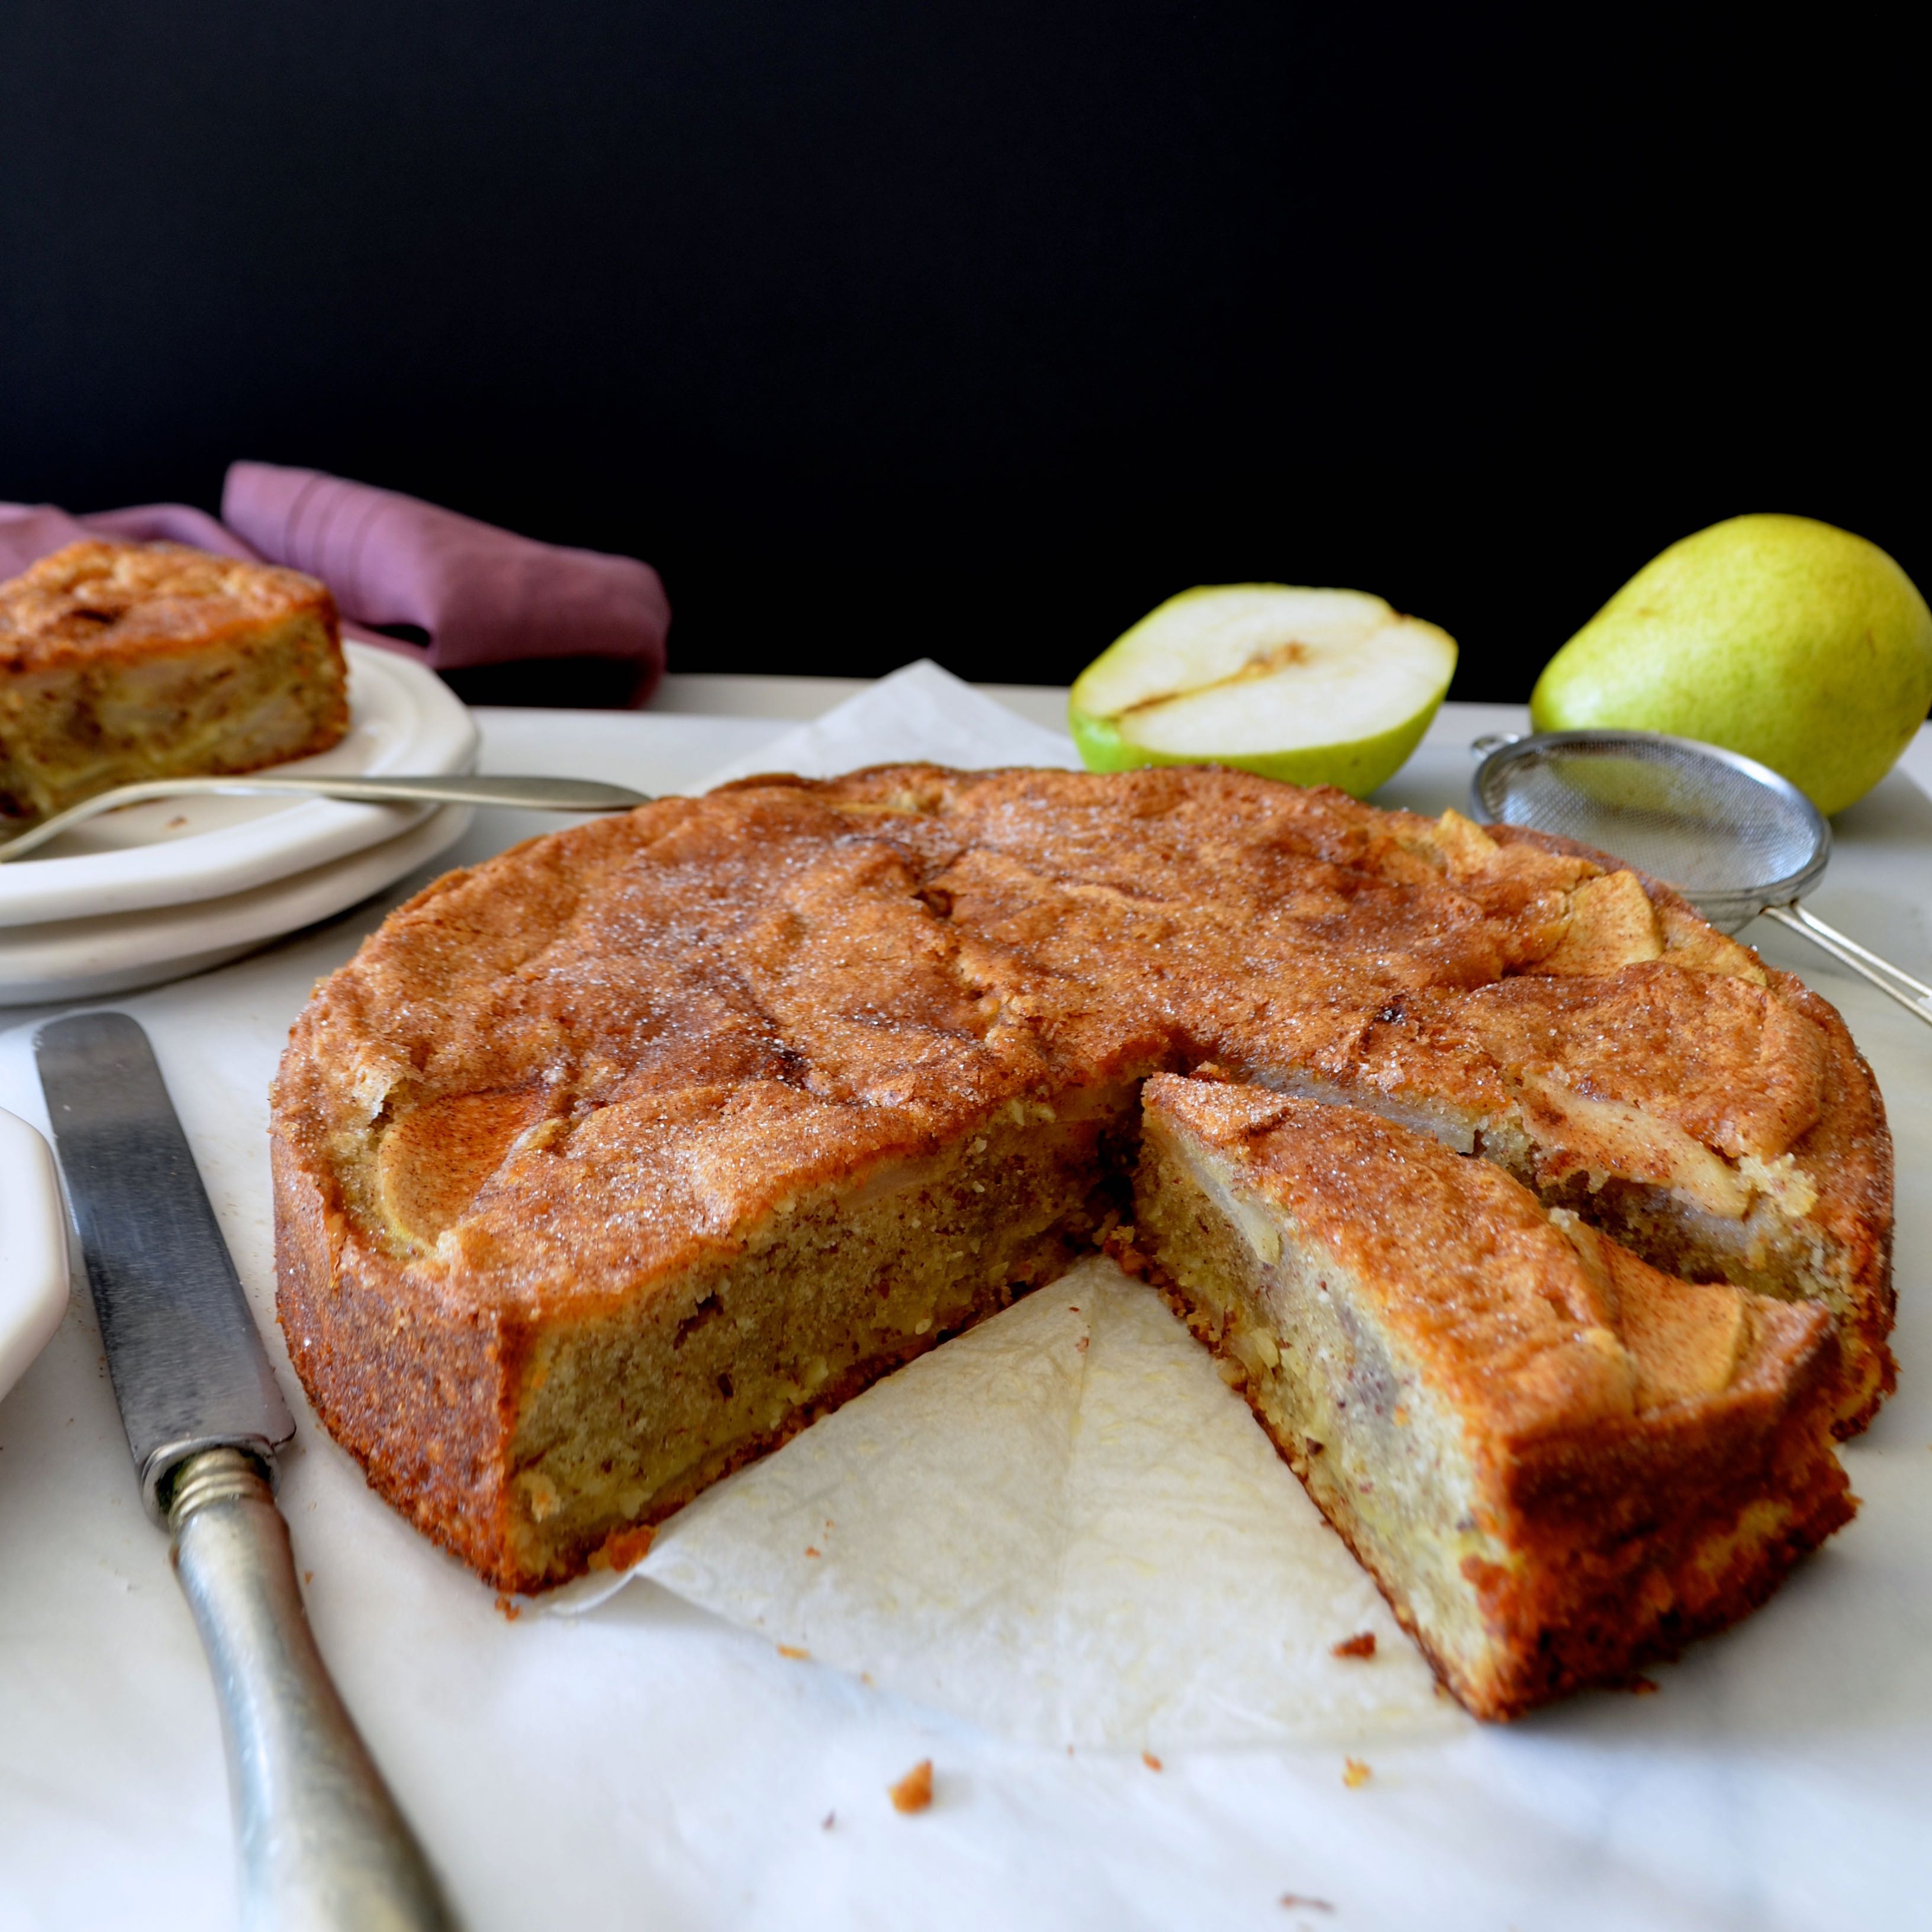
402	718
33	1248
83	958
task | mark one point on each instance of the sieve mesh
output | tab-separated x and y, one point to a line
1731	836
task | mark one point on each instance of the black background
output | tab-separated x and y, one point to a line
974	329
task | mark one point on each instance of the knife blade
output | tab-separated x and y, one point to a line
188	1368
323	1845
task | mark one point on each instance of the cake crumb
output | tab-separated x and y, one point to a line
308	1577
809	1551
1152	1763
507	1610
1362	1644
914	1792
830	1819
1354	1773
794	1651
1300	1901
1080	1347
623	1547
1641	1686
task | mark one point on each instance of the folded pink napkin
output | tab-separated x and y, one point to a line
479	596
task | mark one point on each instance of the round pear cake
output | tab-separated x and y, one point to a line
1545	1229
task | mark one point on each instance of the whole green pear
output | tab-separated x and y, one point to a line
1796	644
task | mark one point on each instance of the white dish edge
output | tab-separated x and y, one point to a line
33	1248
81	959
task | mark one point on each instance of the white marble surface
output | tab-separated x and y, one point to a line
649	1765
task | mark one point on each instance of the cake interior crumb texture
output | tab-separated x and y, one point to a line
125	662
842	1286
608	1164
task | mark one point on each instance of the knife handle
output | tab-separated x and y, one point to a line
324	1848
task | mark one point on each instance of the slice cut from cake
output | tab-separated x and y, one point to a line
1558	1462
122	662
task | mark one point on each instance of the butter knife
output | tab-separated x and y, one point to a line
323	1846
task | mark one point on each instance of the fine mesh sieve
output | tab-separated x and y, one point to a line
1732	836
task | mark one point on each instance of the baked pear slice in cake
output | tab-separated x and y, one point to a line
1558	1463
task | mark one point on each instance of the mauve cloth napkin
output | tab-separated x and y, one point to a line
480	596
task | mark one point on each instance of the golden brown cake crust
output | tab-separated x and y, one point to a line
97	600
1526	1341
660	1030
1485	1296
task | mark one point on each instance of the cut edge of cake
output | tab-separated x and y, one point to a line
617	1413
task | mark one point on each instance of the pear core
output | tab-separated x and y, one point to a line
1314	686
1791	641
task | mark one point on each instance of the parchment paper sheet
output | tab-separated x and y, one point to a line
1065	1526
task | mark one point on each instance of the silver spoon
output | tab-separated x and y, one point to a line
1737	840
533	794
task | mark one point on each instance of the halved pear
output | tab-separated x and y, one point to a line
1317	687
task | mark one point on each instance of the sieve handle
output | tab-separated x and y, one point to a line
1914	995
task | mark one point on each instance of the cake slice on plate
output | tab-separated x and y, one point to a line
124	662
1558	1462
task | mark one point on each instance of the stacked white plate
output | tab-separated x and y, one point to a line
156	891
